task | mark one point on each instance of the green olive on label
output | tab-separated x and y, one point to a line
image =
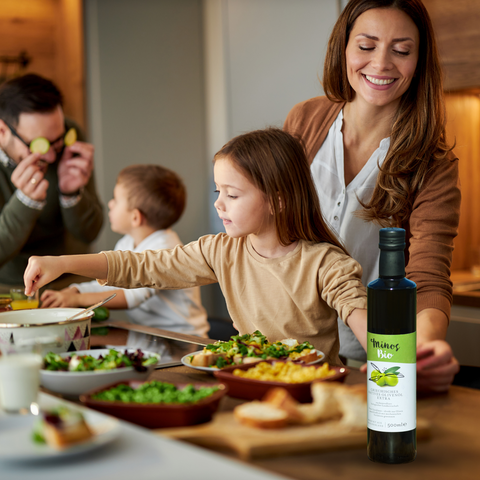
381	380
391	380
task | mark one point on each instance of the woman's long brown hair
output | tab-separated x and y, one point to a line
275	162
418	136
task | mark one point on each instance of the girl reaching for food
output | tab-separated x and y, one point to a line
281	269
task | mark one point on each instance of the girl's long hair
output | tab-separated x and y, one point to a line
418	137
275	162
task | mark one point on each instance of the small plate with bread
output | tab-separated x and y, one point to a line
58	431
201	361
251	348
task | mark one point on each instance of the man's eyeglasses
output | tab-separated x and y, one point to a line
42	145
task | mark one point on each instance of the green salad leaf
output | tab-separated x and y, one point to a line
87	363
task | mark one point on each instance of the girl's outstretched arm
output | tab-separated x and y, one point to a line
357	321
43	270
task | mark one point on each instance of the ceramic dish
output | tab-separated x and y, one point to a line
16	444
47	326
76	383
250	389
186	361
158	415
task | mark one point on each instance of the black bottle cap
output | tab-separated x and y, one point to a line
392	257
392	239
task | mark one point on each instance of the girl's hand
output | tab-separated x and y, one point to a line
40	271
60	299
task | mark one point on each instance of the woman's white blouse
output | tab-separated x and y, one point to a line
339	203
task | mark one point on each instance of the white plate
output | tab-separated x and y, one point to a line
16	444
186	361
76	383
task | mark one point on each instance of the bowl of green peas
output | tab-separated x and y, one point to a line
156	404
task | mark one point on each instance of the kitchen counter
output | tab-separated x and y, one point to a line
135	454
451	452
466	288
464	329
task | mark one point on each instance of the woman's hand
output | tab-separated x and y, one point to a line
436	366
60	298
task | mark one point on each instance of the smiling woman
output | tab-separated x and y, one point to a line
382	54
378	153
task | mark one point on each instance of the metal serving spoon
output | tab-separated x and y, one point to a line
82	312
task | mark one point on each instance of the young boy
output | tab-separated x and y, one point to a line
147	201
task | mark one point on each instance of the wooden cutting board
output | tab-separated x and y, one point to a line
225	433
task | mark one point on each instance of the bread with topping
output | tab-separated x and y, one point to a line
63	427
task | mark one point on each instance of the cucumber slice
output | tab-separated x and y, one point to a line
40	145
70	137
100	313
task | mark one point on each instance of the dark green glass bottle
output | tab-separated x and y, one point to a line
391	356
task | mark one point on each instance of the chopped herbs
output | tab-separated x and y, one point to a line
253	345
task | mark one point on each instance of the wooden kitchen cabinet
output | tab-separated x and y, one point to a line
50	32
457	27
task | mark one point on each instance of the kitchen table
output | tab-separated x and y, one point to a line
451	453
135	453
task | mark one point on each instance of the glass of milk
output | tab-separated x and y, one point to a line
19	377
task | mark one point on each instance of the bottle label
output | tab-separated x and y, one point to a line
392	382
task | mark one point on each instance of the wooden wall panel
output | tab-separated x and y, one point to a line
51	32
463	127
457	28
70	58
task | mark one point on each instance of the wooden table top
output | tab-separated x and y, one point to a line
451	453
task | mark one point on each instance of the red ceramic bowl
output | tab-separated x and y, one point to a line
250	389
158	415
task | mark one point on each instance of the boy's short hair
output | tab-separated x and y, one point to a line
159	193
29	93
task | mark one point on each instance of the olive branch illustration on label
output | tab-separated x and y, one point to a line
388	378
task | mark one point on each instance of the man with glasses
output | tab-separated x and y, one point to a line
48	201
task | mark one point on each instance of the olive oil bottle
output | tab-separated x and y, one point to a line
391	356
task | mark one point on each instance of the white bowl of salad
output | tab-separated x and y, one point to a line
74	373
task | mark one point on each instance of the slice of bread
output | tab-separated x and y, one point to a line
280	398
64	428
352	402
325	400
206	358
307	356
261	415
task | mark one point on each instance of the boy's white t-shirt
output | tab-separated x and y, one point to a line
175	310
